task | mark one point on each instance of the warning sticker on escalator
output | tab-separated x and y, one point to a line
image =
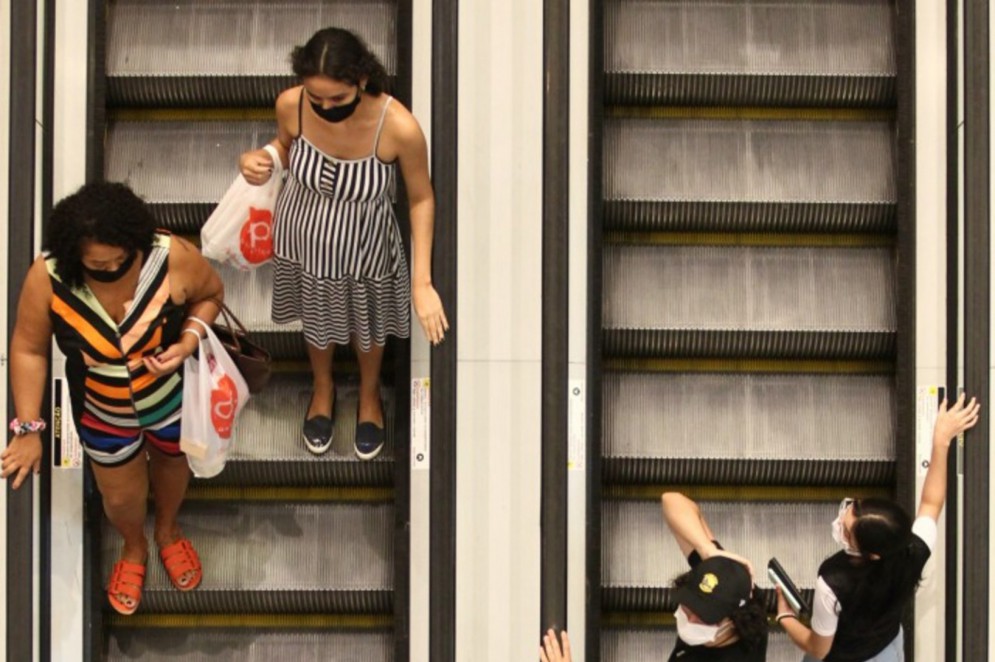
421	422
67	452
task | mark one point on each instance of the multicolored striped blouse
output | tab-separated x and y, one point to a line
112	392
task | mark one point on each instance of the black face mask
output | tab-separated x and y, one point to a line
337	113
111	276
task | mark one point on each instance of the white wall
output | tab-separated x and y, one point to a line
421	86
577	475
68	174
931	160
499	356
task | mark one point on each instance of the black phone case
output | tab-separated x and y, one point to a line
788	585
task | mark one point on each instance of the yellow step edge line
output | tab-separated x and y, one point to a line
318	494
316	621
655	619
751	113
192	115
751	366
750	239
745	493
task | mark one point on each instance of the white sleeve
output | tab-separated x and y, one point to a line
825	609
925	528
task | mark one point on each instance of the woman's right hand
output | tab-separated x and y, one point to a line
955	420
256	166
21	457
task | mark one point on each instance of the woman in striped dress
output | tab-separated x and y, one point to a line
117	295
338	253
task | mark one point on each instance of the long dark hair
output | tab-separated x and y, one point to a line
340	55
105	212
889	574
750	620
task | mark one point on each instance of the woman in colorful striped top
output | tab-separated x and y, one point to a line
116	293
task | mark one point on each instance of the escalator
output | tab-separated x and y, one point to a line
304	557
752	304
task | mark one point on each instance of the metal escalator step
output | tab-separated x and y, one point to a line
276	558
749	175
712	343
764	89
268	450
206	53
654	644
181	168
716	471
813	52
640	558
681	216
750	302
248	645
748	417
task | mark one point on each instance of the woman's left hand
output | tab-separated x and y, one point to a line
782	603
168	361
428	307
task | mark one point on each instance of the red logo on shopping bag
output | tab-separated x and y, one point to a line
256	242
224	403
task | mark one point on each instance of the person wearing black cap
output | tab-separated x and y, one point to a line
720	618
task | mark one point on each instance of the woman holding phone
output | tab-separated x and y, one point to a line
862	590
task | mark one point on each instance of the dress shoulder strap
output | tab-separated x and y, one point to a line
383	116
300	114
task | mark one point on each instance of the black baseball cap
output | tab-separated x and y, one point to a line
715	588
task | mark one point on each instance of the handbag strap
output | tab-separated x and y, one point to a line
231	322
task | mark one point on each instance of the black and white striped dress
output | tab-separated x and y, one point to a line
339	263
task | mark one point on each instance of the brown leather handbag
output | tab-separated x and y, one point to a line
253	361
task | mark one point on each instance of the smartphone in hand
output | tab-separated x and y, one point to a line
788	588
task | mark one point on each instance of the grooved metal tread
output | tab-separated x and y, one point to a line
208	53
748	301
246	645
747	216
654	644
738	471
268	449
808	52
728	344
752	418
700	89
276	558
640	558
749	161
180	163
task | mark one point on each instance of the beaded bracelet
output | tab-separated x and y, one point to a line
20	429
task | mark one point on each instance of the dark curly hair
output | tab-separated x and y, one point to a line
340	55
105	212
750	620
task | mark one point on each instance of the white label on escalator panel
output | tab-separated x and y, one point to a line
421	422
67	450
577	424
928	399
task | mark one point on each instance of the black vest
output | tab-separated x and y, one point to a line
861	635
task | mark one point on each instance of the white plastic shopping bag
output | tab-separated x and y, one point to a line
240	230
214	394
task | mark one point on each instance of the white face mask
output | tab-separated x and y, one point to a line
694	634
839	534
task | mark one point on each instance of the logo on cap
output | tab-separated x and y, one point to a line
708	583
